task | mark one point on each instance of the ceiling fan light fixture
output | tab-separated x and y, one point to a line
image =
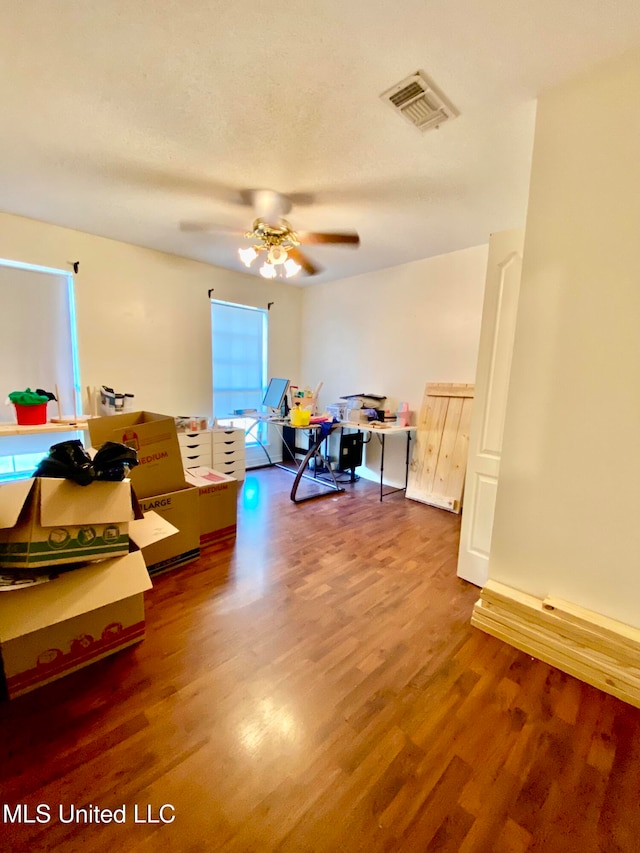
267	270
247	256
276	245
291	268
277	255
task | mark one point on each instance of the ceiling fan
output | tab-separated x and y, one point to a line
275	241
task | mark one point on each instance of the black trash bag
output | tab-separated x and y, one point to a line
69	460
113	461
48	394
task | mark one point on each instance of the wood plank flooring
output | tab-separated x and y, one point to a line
318	688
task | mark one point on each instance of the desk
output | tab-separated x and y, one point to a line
382	432
316	436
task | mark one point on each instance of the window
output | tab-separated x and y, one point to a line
19	466
38	349
239	338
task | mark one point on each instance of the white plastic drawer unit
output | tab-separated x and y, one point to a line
232	468
229	452
195	448
227	442
232	439
225	449
195	460
226	434
189	440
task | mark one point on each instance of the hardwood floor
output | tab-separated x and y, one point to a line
318	687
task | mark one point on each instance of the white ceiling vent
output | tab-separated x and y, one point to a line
417	100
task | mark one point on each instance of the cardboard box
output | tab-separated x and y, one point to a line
180	508
51	522
54	628
155	439
218	495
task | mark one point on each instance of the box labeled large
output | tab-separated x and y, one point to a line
51	522
180	508
53	628
217	511
154	438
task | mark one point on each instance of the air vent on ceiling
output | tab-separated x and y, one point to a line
417	100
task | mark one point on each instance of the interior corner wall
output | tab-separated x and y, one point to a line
392	331
568	500
143	316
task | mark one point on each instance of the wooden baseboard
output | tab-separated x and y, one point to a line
585	644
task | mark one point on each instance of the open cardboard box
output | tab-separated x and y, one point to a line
54	628
50	522
180	508
217	504
155	439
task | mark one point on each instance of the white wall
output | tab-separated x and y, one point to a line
391	332
143	316
568	499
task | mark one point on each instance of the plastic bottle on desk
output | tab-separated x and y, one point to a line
403	415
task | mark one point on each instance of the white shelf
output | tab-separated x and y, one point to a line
16	429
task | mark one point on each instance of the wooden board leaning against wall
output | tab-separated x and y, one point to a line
592	647
439	458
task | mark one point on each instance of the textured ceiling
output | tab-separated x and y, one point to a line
125	117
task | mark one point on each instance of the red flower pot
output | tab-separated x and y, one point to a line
31	415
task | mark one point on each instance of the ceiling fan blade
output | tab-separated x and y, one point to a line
316	237
287	200
306	264
210	226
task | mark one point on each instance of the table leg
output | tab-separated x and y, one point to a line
406	467
315	446
406	463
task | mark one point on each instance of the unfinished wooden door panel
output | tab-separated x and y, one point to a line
427	446
438	464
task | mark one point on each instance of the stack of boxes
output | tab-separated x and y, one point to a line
175	479
75	562
158	482
61	609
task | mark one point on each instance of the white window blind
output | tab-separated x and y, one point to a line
239	340
38	334
37	350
